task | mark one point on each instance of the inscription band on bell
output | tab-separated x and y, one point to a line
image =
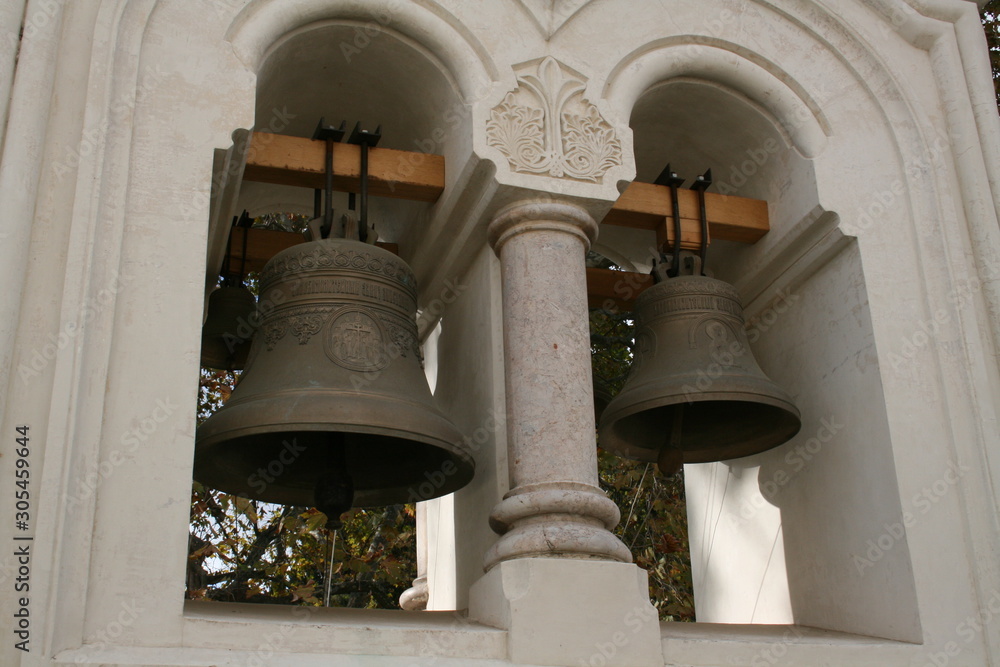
384	293
701	302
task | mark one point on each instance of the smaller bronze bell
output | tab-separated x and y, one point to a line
228	329
695	392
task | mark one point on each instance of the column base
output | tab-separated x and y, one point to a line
547	606
562	519
415	598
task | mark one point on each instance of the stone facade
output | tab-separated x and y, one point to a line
870	127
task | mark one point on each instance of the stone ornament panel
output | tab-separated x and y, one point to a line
546	126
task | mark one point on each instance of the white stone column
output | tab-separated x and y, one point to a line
556	555
554	507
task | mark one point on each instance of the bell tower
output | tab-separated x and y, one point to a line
852	216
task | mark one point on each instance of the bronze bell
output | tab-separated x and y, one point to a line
226	334
333	409
695	392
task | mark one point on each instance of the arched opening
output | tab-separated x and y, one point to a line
694	125
767	532
361	72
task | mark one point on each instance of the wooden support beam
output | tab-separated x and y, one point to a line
261	245
615	290
284	160
647	206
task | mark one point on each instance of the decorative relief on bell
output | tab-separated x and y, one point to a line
645	347
272	332
724	341
546	126
305	326
356	341
402	336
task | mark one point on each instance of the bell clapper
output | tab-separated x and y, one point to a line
671	456
333	495
334	491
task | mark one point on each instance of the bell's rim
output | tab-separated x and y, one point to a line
777	401
232	292
214	440
611	441
222	441
215	354
441	481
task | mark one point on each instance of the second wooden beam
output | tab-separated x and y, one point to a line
284	160
648	206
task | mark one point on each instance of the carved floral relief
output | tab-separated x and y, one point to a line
546	126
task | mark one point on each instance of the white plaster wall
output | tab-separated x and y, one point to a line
800	515
11	20
155	323
470	388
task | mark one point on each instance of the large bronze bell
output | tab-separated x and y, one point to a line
695	392
333	409
226	334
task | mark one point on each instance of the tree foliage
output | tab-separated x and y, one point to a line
242	550
990	15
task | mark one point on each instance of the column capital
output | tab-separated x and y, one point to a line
541	215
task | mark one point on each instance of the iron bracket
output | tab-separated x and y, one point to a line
700	185
330	135
673	181
365	140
